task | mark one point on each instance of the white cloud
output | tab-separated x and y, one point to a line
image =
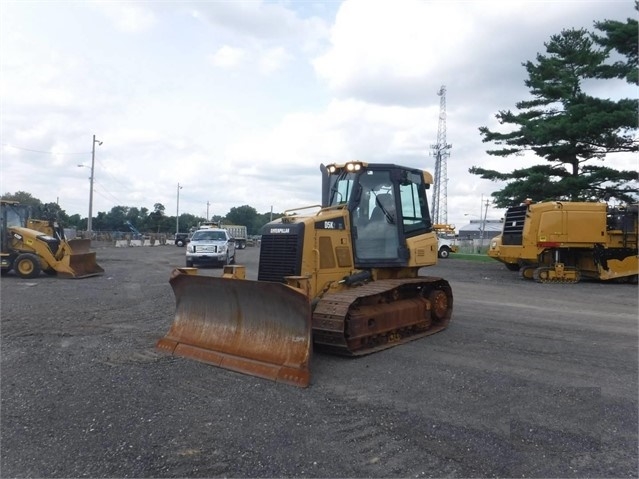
128	17
227	57
273	59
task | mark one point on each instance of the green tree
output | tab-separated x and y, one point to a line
75	221
157	217
116	219
143	222
188	221
622	38
39	210
261	220
24	198
100	222
53	212
567	127
241	215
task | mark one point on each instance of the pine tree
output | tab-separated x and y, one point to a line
567	127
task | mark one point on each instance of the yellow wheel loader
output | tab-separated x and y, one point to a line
342	276
561	242
29	247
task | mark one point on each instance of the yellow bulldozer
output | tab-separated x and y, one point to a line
342	277
564	241
32	246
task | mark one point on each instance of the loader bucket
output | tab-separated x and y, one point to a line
258	328
78	265
79	245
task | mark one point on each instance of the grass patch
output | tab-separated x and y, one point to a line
482	258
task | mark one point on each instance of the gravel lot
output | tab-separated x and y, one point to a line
529	380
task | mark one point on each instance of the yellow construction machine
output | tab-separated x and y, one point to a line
342	276
31	246
565	241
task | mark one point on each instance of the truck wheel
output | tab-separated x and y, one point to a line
189	264
179	243
27	266
444	252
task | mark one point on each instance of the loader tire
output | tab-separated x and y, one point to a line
27	266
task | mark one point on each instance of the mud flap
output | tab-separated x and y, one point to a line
78	265
258	328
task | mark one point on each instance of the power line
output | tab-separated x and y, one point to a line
46	152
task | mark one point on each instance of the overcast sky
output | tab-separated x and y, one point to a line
240	102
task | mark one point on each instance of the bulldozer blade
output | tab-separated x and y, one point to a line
258	328
79	245
80	265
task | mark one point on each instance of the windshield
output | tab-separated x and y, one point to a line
16	215
209	236
341	187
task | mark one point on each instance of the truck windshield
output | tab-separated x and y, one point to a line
208	235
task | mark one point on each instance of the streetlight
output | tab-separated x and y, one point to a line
90	218
177	212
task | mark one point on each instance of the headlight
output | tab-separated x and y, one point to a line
189	248
222	249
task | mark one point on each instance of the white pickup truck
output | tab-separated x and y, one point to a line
210	245
446	246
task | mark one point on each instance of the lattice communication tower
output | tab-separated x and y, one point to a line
439	213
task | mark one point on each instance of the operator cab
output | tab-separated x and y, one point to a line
387	204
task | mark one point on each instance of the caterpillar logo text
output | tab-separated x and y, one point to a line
280	230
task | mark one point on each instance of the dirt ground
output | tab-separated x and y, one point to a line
529	380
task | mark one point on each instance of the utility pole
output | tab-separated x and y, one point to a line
90	218
207	210
177	211
439	213
482	230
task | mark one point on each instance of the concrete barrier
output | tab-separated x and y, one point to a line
130	243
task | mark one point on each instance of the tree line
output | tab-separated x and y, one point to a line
142	219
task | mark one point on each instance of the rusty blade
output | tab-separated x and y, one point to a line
257	328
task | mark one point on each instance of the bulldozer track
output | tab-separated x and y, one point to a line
381	314
545	274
